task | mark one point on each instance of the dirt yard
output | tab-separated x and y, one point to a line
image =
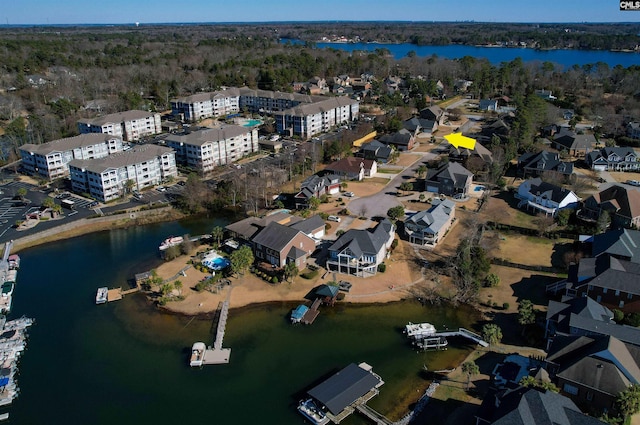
532	251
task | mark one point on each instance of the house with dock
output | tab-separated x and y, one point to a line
359	252
429	227
278	245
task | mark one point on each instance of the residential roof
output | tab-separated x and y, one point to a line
309	225
433	112
250	226
133	156
361	242
570	140
600	362
118	117
611	273
401	138
350	164
209	135
627	200
204	97
69	143
528	406
276	236
415	123
545	161
619	243
305	109
452	171
478	150
547	190
344	388
327	291
432	220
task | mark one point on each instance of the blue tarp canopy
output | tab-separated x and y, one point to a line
299	311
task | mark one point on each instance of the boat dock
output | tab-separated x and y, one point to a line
465	333
312	313
426	337
116	294
217	354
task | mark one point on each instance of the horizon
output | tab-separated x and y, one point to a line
163	12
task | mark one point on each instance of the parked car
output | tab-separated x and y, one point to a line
334	218
348	194
161	188
633	182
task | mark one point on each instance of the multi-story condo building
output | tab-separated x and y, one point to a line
106	178
307	120
269	102
51	160
130	125
206	105
205	149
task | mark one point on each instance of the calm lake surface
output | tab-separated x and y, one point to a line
127	363
496	55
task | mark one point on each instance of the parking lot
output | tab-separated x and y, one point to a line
77	201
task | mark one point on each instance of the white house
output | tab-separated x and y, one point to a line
546	198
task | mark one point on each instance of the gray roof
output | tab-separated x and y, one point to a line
452	171
548	190
478	150
118	117
117	160
600	362
69	143
304	109
345	387
570	140
412	124
276	236
361	242
209	135
204	97
534	407
402	137
626	201
432	220
619	243
309	225
250	226
545	161
608	272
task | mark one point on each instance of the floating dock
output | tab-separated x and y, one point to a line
312	313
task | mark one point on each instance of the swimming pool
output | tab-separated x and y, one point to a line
252	123
214	261
479	188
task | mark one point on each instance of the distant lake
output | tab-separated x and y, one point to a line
496	55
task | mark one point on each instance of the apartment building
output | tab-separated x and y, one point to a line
205	149
51	160
206	105
129	125
106	178
307	120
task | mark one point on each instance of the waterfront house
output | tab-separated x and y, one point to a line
623	244
429	227
244	230
536	164
352	168
610	281
530	406
51	160
314	227
315	187
359	252
402	140
593	370
613	159
129	125
545	198
584	316
278	245
621	203
450	179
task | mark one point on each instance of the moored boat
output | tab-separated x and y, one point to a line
311	411
197	354
102	295
171	241
419	330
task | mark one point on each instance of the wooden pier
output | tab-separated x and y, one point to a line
217	354
117	294
312	313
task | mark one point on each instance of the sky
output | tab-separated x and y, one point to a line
43	12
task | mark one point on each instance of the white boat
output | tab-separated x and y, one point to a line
311	411
197	354
101	296
419	330
171	241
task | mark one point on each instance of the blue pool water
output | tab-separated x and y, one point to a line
479	188
220	263
252	123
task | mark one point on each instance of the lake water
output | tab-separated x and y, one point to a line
496	55
127	363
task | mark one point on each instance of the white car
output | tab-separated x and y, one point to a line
348	194
334	218
633	182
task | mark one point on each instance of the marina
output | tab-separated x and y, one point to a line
12	344
9	266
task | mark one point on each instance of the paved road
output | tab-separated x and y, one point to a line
379	203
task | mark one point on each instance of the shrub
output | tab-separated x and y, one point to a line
618	316
505	306
340	233
394	244
344	211
275	279
492	280
309	274
382	267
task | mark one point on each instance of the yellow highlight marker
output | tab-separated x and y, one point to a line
458	140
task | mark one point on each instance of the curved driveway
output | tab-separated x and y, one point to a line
379	203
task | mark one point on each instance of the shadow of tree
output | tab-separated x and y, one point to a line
533	288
